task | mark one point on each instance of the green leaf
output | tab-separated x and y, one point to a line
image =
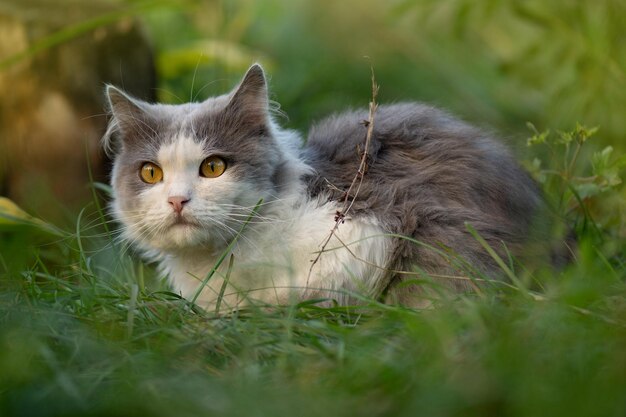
600	160
605	169
582	133
536	170
588	190
12	215
538	137
564	138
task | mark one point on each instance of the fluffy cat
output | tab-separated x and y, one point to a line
186	178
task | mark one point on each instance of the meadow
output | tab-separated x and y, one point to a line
88	329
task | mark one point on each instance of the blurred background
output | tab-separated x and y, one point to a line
498	64
88	330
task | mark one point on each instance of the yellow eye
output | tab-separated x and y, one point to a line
150	173
212	167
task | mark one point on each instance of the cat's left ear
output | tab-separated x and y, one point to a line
131	118
250	98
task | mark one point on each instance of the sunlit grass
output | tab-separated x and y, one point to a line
86	329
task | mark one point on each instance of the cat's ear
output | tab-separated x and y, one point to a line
250	98
132	118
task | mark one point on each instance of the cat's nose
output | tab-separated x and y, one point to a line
178	202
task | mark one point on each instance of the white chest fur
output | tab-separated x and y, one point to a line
273	261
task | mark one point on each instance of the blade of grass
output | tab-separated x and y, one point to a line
226	252
132	305
12	215
224	284
509	273
94	195
79	240
73	31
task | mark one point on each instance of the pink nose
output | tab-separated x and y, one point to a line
177	202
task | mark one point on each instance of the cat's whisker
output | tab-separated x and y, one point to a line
259	221
252	216
97	223
232	232
209	84
262	204
101	235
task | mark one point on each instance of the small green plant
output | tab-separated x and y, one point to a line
578	187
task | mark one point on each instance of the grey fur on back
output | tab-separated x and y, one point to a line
428	174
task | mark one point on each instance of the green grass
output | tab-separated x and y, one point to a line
86	329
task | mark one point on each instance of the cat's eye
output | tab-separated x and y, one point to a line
212	167
151	173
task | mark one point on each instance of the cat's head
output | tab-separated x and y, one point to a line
189	175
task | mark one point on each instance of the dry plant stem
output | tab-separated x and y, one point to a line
417	274
356	181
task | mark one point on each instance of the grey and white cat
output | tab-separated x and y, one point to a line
186	178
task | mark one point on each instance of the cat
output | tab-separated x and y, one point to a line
189	179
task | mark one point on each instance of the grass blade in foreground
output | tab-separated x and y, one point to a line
227	251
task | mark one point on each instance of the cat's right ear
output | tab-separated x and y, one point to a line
250	100
131	119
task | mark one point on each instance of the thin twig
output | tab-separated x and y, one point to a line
399	272
356	181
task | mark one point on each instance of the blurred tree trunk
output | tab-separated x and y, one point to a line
52	107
